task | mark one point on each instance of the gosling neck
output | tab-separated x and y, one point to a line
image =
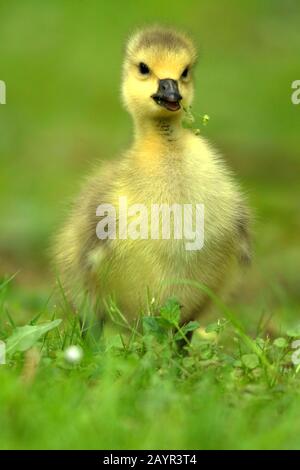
164	131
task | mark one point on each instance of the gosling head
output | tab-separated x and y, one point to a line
157	73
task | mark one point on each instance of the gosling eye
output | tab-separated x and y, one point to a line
143	68
185	73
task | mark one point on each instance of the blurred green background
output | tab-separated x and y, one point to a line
61	61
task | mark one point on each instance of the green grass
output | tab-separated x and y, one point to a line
136	388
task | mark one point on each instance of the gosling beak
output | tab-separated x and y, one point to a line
168	94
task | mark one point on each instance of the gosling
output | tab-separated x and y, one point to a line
166	164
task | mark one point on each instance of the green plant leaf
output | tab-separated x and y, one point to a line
151	325
191	326
294	332
237	363
280	343
250	361
171	311
212	327
260	343
24	337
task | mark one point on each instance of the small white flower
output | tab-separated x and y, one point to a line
73	354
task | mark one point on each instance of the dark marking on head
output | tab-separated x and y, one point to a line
165	38
162	38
